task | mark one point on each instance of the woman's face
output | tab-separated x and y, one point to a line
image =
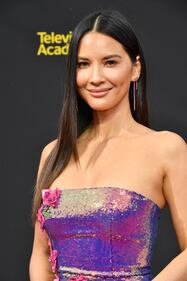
104	71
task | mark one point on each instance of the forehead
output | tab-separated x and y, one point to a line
94	43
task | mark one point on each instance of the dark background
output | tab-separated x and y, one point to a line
31	99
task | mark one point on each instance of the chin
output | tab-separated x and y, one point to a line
99	106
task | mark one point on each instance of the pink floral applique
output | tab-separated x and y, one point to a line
49	199
50	196
52	259
79	278
56	277
40	217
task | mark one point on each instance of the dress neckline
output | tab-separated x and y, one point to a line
113	187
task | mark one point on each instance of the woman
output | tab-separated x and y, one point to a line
102	183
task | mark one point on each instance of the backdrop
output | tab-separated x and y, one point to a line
32	62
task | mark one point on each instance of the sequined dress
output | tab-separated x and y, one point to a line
99	233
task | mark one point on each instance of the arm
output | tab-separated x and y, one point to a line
40	267
175	191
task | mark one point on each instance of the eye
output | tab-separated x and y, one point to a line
82	64
111	62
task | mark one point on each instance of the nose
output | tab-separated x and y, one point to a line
96	75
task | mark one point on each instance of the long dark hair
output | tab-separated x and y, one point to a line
76	115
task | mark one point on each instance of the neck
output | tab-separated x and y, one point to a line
111	123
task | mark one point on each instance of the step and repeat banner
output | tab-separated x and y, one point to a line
35	37
52	44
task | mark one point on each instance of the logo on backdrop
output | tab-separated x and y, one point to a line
52	44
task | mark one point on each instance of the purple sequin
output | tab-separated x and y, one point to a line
101	233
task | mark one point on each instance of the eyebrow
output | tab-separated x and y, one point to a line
106	57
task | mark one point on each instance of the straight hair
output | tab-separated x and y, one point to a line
76	115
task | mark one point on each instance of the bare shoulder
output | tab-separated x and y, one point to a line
170	141
48	148
170	138
172	148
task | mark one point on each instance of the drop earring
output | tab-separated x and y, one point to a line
134	94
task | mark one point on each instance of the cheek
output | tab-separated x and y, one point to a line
120	76
81	78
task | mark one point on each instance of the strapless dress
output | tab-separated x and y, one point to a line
99	233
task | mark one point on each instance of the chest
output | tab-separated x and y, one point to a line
119	163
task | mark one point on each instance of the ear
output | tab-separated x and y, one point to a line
136	69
